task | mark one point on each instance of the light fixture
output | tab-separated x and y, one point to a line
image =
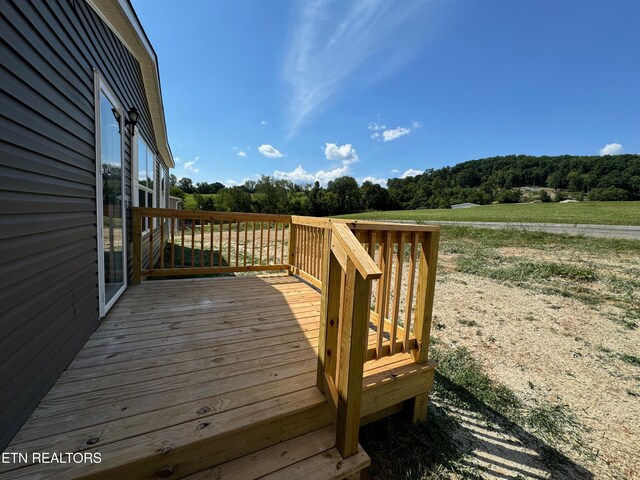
132	118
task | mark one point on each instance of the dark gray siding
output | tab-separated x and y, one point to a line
48	254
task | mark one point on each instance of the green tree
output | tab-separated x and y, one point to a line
234	199
348	195
186	185
374	196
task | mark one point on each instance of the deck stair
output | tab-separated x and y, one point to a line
312	456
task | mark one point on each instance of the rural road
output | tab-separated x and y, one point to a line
608	231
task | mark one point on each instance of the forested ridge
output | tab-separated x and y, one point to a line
483	181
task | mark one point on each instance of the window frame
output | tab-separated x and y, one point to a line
136	186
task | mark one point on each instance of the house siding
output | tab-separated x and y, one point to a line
49	51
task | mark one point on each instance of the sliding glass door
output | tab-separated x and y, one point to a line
110	202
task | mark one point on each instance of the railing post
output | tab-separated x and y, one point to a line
424	307
292	247
329	313
353	347
137	247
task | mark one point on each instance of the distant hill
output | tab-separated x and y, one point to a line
483	181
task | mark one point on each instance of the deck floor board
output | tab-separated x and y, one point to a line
174	355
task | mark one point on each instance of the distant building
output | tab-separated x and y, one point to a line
465	205
175	202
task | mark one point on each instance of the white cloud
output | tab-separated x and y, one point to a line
395	133
411	173
263	122
416	125
177	160
343	153
300	175
242	154
269	151
332	42
189	166
395	170
376	126
231	183
380	181
611	149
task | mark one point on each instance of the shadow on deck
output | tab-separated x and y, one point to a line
185	375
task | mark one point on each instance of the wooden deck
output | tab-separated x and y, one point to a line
208	375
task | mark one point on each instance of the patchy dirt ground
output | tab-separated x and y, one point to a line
567	339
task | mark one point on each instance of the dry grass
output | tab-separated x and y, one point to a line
555	321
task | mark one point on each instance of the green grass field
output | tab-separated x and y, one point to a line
599	213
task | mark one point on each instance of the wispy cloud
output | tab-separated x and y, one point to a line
376	126
343	153
611	149
333	40
242	154
270	151
300	175
189	166
263	122
395	170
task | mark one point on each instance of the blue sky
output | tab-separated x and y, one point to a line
377	89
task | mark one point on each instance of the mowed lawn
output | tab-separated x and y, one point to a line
599	213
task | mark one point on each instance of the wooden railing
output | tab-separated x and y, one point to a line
377	284
309	234
193	243
403	296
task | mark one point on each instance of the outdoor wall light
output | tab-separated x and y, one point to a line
132	118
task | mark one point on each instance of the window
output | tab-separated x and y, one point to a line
145	174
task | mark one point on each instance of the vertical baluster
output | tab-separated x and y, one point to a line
193	241
380	296
253	244
211	242
275	243
237	240
201	243
314	258
244	255
282	246
173	244
306	248
261	235
182	242
397	291
229	244
220	228
268	241
151	243
161	243
410	282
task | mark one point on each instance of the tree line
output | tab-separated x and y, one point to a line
484	181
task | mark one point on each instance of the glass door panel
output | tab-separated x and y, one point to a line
113	233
